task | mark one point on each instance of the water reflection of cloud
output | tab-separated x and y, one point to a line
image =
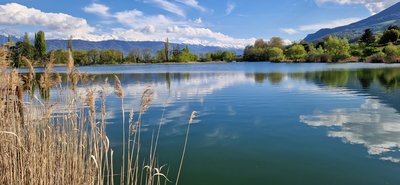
194	88
176	113
231	111
178	92
290	85
219	135
374	125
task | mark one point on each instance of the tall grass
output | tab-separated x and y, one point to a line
64	141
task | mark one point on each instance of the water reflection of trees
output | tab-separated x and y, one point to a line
274	78
388	78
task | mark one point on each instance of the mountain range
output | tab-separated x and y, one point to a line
125	46
378	23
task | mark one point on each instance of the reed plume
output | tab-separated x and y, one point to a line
192	116
62	140
70	62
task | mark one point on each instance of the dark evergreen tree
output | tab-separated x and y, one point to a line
368	37
389	36
40	46
10	40
27	50
70	43
393	27
166	48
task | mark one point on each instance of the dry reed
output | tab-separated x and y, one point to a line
69	146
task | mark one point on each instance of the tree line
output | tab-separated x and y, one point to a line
371	47
37	52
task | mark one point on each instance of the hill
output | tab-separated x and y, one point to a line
378	23
125	46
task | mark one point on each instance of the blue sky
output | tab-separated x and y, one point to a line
230	23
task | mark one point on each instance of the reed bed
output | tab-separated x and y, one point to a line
65	141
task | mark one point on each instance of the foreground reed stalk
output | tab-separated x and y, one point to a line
62	140
184	146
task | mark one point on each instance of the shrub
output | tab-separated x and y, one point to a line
377	58
392	53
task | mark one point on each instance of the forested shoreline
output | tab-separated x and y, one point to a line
371	47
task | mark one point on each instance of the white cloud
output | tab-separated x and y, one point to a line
168	6
289	31
315	27
60	24
130	25
331	24
374	6
198	21
98	9
193	4
137	19
230	7
141	27
209	37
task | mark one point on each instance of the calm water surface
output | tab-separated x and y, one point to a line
264	123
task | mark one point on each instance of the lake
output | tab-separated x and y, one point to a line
266	123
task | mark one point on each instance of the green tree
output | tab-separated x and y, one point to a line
377	57
161	56
276	42
26	39
389	36
80	57
393	27
10	40
392	53
176	52
119	56
368	51
147	56
337	49
60	56
296	53
202	57
70	43
107	56
252	53
166	50
315	54
15	54
27	50
368	37
134	56
356	49
186	56
228	56
93	56
40	46
260	43
209	57
275	54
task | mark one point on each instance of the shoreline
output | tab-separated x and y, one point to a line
225	62
213	62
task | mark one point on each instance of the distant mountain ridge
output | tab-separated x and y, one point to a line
125	46
378	23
